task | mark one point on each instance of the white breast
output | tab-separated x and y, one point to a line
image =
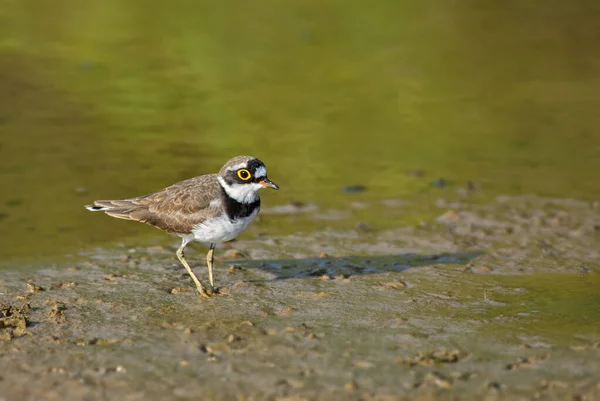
220	229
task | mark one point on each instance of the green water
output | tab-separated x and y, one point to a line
110	99
556	306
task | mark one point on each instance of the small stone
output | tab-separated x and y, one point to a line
471	186
359	205
439	183
103	342
395	285
392	202
363	227
300	327
285	311
65	285
434	357
494	386
295	383
439	379
351	385
449	217
179	290
81	341
232	338
398	322
353	188
120	369
57	313
363	364
217	348
34	289
14	321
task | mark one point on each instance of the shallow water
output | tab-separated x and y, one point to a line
116	99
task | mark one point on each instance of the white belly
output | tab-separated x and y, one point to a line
220	229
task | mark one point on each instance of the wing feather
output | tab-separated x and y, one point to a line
175	209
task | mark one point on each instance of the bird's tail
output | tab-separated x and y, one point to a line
121	209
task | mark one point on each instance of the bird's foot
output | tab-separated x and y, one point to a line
214	291
209	292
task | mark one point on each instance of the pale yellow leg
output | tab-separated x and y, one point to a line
209	263
199	286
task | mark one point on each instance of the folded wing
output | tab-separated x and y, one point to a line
176	209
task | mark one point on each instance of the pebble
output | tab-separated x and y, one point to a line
363	227
395	285
439	183
34	289
363	364
232	338
439	379
449	217
349	189
351	385
179	290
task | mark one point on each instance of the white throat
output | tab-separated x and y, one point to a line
243	193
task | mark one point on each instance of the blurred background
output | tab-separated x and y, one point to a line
118	98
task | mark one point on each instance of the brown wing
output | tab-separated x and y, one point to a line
176	209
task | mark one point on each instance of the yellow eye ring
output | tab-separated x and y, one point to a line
244	174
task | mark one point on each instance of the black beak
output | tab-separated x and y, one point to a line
265	182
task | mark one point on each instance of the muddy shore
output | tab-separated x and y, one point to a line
489	301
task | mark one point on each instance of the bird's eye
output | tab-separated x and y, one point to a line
244	174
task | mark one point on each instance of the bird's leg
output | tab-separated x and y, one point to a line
199	286
209	264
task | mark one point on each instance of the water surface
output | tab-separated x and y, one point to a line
111	99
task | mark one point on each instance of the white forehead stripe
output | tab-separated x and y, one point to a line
238	166
260	172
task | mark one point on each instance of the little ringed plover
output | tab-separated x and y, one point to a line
211	208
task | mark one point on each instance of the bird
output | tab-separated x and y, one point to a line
211	208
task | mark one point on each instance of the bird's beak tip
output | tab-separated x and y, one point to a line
268	184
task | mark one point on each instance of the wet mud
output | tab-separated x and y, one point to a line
484	300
